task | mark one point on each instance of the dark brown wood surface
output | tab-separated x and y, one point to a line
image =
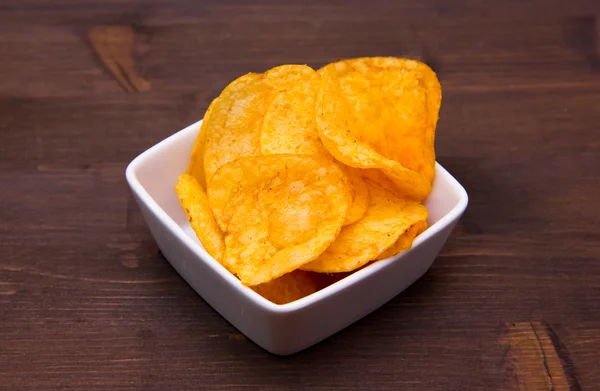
88	303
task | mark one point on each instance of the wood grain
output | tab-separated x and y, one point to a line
88	302
534	358
114	45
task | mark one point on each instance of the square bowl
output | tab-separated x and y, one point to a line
288	328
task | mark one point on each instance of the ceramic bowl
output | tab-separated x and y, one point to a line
289	328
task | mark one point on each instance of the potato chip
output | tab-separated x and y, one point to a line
290	287
289	127
196	207
278	212
233	130
382	113
284	77
289	123
360	195
196	166
386	219
405	241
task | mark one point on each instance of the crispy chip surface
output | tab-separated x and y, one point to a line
195	204
382	113
278	212
405	241
196	166
284	77
290	287
386	219
234	127
289	127
289	124
360	195
377	176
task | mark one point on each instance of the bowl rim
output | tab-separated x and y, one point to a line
235	283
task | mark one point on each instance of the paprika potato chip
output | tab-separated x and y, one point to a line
278	212
289	122
377	176
196	207
405	241
289	127
360	196
382	113
290	287
386	219
196	166
232	130
284	77
234	127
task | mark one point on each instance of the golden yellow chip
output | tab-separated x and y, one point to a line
360	195
290	287
382	113
405	241
196	166
289	127
289	123
195	204
386	219
283	77
234	127
278	212
377	176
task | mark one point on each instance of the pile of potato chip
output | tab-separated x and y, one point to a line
298	177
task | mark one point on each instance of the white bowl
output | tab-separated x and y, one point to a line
289	328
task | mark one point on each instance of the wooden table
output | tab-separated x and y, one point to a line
87	302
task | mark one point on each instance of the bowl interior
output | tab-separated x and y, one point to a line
158	169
